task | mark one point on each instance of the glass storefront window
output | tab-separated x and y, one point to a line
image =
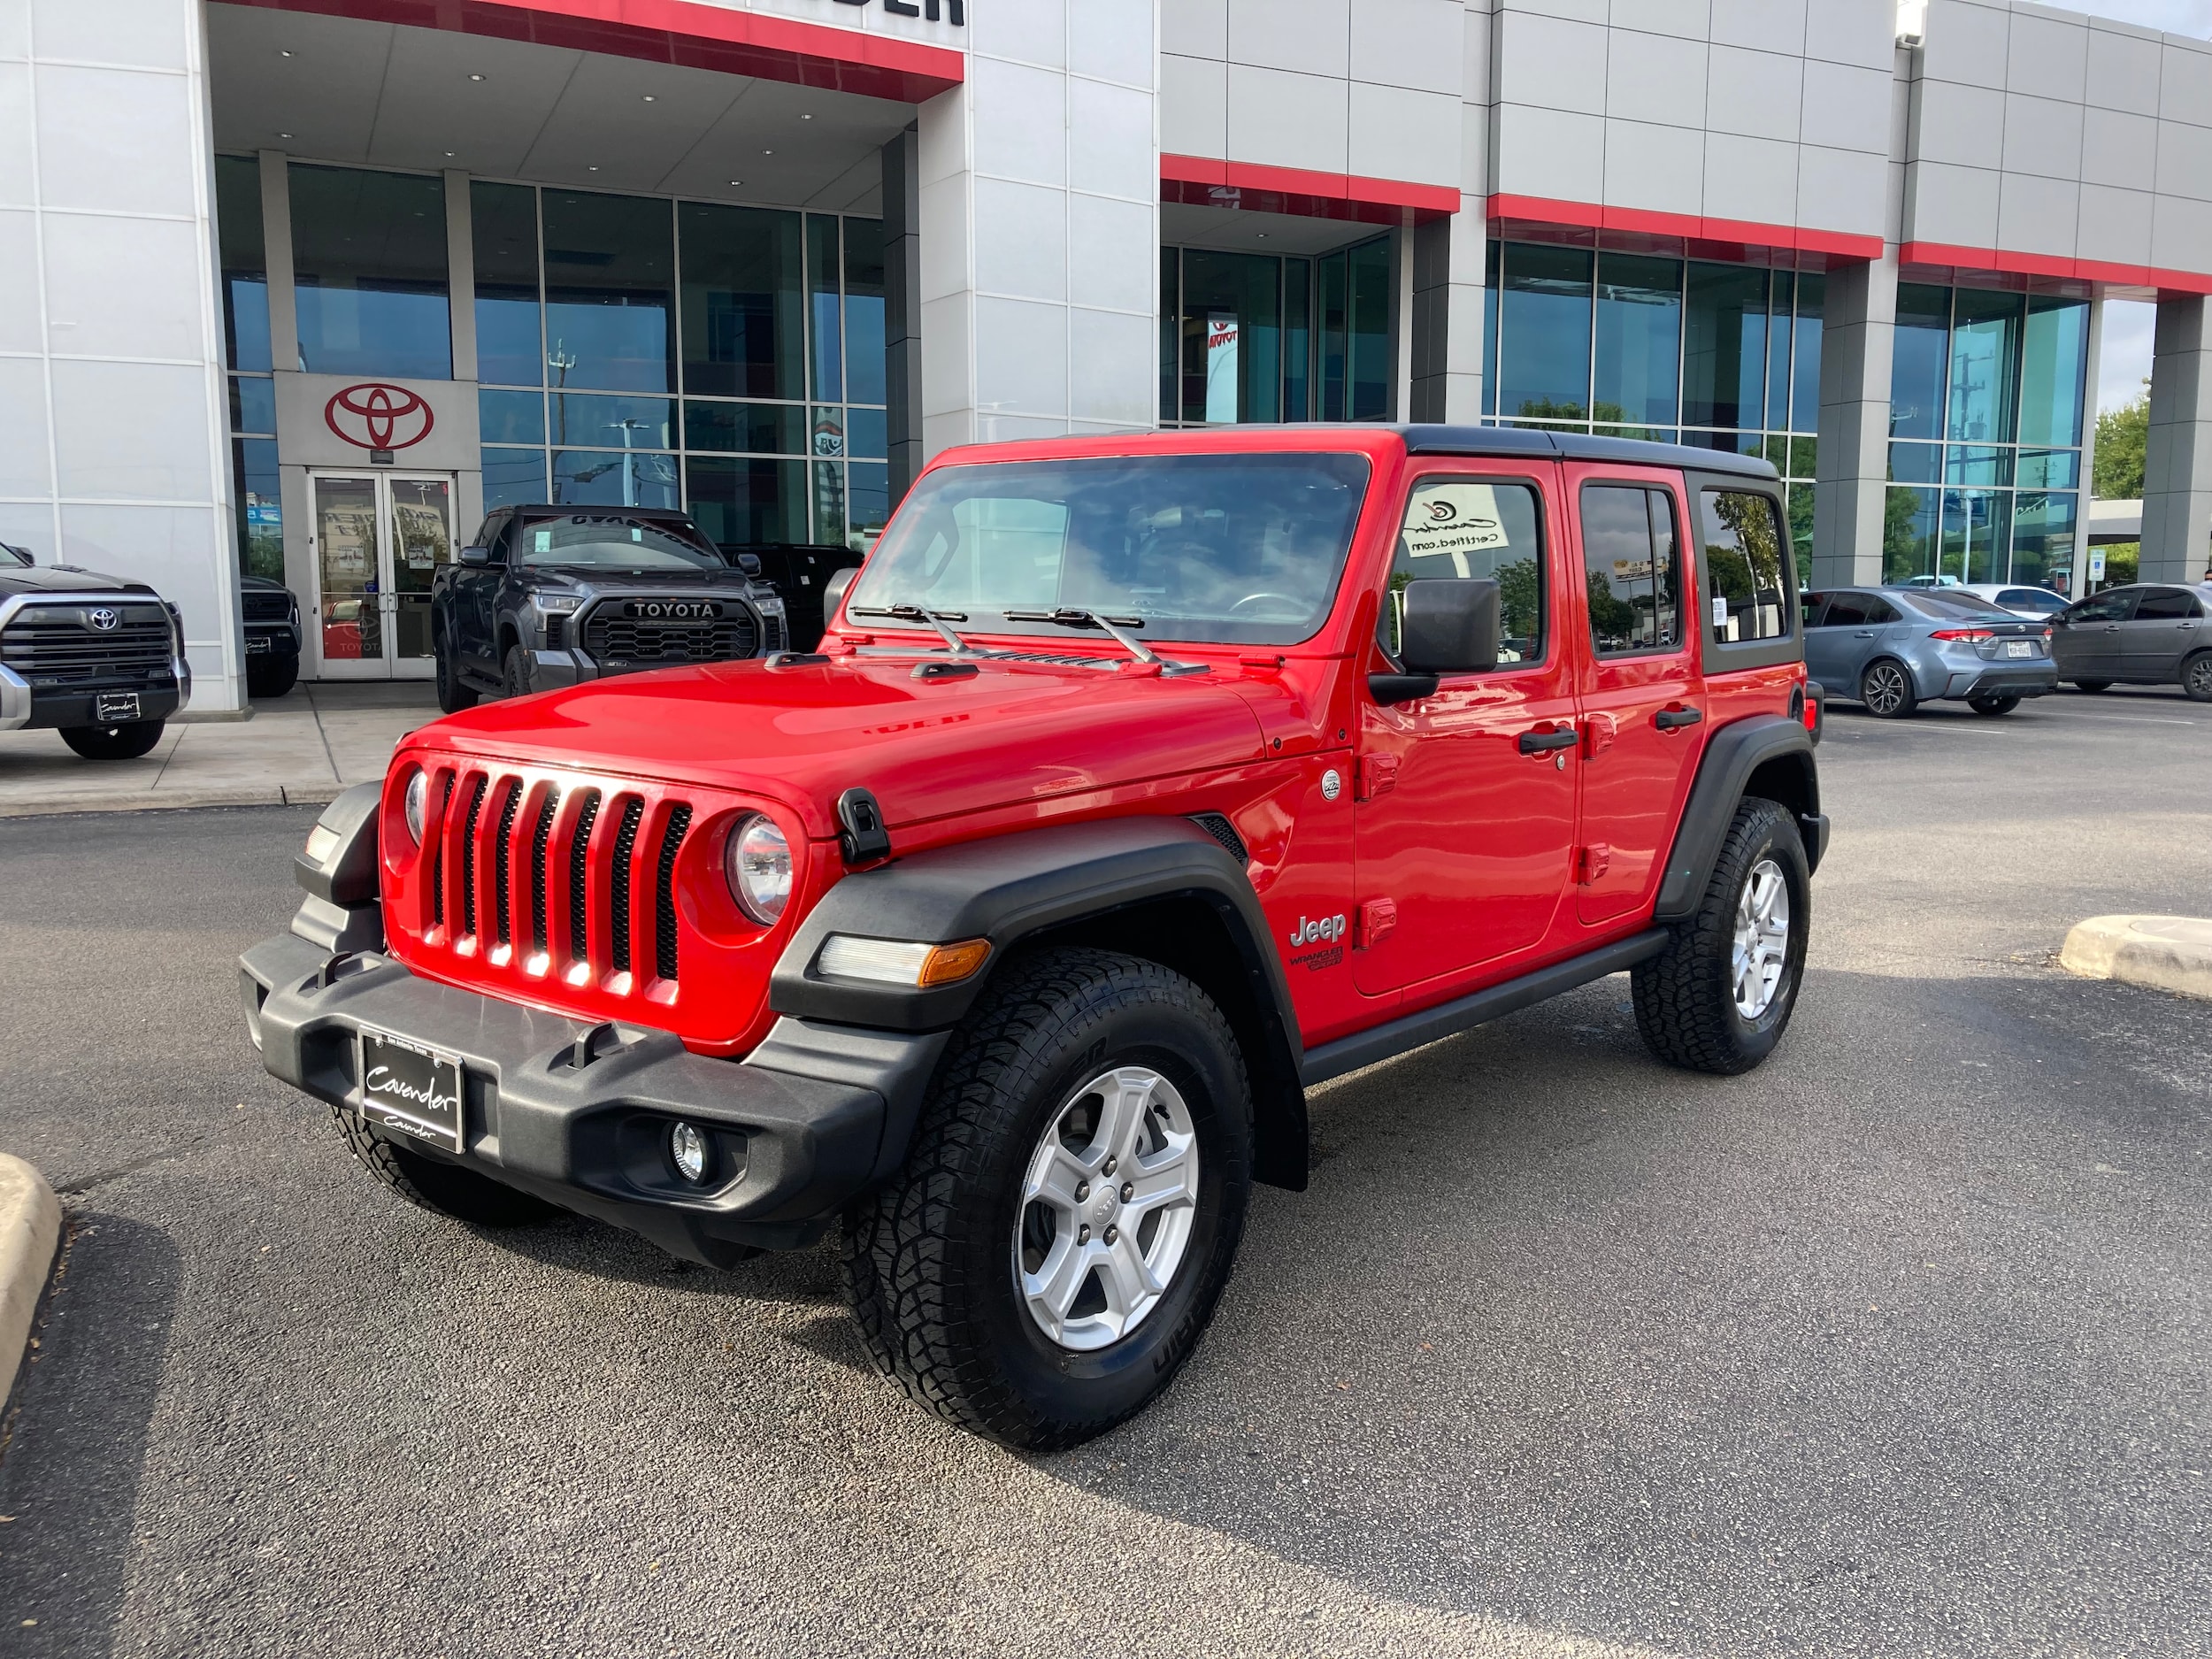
613	479
369	269
829	503
1638	341
1921	348
256	492
745	429
513	478
1916	462
867	503
825	316
610	292
867	434
1976	535
865	359
2054	365
1778	349
1812	298
245	263
511	417
1544	333
503	224
1985	366
1724	347
1977	463
1490	327
633	423
744	317
2043	536
2050	469
1231	337
743	502
1297	339
252	404
1908	533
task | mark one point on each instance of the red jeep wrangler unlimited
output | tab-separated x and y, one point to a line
1139	785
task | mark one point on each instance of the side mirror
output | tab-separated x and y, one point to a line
1450	626
833	592
476	553
750	563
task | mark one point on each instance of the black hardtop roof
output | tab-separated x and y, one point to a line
1424	439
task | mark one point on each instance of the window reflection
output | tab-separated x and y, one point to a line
245	263
609	291
744	503
744	324
1984	365
611	478
369	264
1544	334
510	350
865	361
1639	342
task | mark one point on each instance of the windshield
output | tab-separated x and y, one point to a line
1951	601
613	541
1244	550
14	556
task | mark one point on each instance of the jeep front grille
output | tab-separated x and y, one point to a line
560	879
55	646
616	640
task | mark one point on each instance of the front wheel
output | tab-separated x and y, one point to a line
1992	705
453	696
2196	676
1069	1206
1719	996
126	741
446	1189
515	675
1887	690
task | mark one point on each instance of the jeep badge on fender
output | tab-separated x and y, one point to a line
985	936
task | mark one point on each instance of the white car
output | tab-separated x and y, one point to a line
2020	598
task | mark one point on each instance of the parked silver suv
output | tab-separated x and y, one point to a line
1894	648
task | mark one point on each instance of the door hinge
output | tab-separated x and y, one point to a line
1378	920
1377	775
1598	732
1592	862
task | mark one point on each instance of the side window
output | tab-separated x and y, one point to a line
1810	605
1628	549
2113	607
1464	528
2166	604
1743	567
1846	610
1879	612
498	535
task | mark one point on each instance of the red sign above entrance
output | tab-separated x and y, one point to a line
375	415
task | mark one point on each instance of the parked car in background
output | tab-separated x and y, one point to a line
99	659
800	572
550	596
2022	599
2145	635
272	636
1894	648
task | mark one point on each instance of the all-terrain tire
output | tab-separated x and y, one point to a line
1684	996
2196	676
929	1259
445	1188
1992	705
514	676
453	696
126	741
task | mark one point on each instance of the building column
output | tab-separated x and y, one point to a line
1448	283
1851	487
2177	456
1037	184
903	308
2077	577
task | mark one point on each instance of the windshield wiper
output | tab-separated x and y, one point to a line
915	613
1071	617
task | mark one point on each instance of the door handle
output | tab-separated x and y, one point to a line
1863	634
1545	742
1675	719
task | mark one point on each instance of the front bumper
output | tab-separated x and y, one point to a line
790	1149
271	639
27	707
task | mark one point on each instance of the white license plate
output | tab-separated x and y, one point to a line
2019	647
257	645
411	1089
115	706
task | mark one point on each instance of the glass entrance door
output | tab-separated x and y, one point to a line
379	539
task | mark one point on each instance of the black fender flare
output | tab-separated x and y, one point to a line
1768	744
1030	886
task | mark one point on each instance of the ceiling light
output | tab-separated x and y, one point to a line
592	169
449	155
284	134
282	53
648	97
476	77
767	152
806	117
737	181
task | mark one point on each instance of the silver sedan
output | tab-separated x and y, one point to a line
1894	648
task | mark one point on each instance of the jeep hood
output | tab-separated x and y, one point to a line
1009	735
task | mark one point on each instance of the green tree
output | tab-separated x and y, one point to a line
2122	434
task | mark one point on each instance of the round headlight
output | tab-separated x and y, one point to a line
757	862
418	800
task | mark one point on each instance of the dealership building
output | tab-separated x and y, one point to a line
300	287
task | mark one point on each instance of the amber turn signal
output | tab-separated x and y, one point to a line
948	964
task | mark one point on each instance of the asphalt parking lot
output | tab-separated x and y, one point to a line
1898	1345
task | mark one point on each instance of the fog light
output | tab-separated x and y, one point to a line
688	1148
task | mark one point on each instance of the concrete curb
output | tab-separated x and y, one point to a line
30	1232
173	800
2172	953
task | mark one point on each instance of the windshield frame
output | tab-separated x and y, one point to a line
872	589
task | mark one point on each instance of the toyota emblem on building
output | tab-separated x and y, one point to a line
105	619
376	415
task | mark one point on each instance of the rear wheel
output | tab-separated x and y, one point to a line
1886	689
446	1188
1992	705
126	741
1720	995
453	696
2092	685
2196	676
1070	1207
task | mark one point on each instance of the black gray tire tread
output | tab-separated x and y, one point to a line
443	1189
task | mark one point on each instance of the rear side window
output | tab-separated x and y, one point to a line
1465	527
1628	551
1743	567
1879	610
2167	604
2042	601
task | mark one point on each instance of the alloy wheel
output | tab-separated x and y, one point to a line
2197	678
1107	1208
1763	939
1884	688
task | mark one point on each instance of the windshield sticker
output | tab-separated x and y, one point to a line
1453	520
540	541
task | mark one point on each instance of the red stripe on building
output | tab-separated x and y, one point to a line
1688	232
1960	263
1255	188
680	32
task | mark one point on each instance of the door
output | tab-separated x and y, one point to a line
1465	813
2166	627
2086	645
1838	644
1643	699
378	540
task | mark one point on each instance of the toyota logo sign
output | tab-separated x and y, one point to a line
104	619
376	415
